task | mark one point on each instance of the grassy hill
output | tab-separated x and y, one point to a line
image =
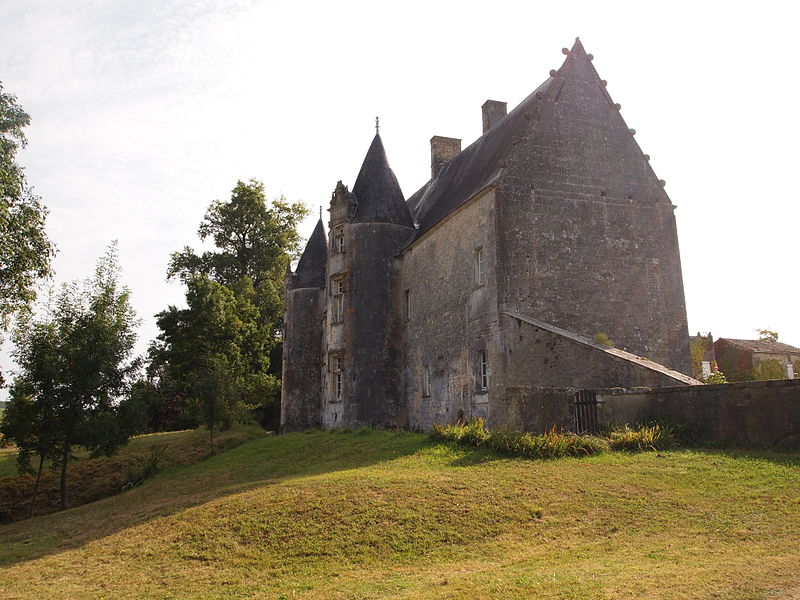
90	478
390	515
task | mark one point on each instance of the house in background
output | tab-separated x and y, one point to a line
703	358
750	360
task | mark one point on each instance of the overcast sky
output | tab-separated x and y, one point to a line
145	111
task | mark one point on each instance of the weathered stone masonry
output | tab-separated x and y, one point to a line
549	228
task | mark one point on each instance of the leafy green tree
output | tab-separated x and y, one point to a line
25	250
235	305
75	364
216	350
253	240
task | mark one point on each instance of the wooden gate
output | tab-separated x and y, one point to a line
586	412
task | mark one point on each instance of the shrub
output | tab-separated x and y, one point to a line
151	466
603	339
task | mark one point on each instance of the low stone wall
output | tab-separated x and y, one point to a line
535	409
758	413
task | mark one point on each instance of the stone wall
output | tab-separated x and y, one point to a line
757	413
302	359
451	318
533	356
589	237
752	413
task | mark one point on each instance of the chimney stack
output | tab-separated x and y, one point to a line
442	150
493	111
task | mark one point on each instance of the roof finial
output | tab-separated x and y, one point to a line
377	125
320	212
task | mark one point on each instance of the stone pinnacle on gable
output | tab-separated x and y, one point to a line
311	268
377	192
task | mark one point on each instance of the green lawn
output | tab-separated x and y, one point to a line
389	515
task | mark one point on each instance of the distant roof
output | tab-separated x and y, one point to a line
377	192
311	268
767	346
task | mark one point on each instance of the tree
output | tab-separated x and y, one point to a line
25	250
75	363
235	304
216	351
253	240
767	335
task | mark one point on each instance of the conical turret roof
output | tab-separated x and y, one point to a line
311	268
377	192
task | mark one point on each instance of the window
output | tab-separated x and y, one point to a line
483	370
338	239
480	266
426	381
337	378
407	305
338	300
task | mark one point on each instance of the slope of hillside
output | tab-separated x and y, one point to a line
389	515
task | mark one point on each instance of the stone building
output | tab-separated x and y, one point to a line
749	360
495	276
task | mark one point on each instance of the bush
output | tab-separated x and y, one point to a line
151	466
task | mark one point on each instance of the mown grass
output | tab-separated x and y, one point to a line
392	515
89	479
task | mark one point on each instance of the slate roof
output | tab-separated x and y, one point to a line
480	164
377	192
767	346
470	171
311	268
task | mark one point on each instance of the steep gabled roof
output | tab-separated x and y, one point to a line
311	268
485	161
377	192
768	346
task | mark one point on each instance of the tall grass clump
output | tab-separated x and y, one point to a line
552	444
470	433
645	437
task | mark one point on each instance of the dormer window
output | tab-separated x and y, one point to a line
338	239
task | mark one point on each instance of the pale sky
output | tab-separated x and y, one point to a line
144	111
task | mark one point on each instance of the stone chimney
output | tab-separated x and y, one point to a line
493	111
442	150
